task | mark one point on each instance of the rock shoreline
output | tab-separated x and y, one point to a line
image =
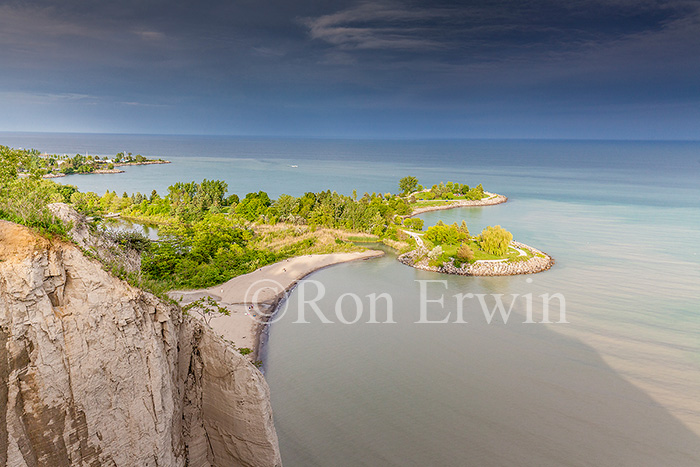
122	164
539	262
490	201
107	171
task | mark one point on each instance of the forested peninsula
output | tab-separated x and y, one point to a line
208	236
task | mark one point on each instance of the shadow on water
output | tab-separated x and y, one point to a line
454	394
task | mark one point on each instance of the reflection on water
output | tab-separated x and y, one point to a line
118	224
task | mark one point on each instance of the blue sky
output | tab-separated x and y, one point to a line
620	69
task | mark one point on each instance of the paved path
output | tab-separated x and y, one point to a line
417	237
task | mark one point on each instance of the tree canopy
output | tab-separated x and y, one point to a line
408	184
495	240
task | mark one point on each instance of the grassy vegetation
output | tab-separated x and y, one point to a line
449	252
363	238
425	203
287	240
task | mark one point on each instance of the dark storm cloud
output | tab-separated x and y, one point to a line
294	67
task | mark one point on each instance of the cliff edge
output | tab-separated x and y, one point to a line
96	372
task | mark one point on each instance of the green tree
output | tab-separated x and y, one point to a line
286	207
253	205
11	162
213	233
210	193
495	240
408	184
66	192
463	228
414	223
446	234
87	203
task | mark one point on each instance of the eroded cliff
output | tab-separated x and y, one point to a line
95	372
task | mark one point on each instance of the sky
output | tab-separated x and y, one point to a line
590	69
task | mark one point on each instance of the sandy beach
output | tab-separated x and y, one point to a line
251	297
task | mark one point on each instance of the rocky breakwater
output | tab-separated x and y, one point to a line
538	262
96	372
491	200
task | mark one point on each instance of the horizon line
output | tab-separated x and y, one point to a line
353	138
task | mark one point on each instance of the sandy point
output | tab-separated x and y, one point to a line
252	297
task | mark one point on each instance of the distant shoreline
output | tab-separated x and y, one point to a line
106	171
122	164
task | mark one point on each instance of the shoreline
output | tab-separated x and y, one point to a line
124	164
492	200
243	330
106	171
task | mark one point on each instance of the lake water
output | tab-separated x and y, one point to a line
149	231
616	385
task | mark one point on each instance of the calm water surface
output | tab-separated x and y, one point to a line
618	385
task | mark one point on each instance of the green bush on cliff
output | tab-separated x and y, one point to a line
24	199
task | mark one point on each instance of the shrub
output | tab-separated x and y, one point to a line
435	253
207	308
465	254
132	240
25	201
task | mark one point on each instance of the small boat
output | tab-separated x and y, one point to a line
294	166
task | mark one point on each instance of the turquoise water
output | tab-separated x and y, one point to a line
617	385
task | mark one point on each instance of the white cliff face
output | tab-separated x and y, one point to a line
95	372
